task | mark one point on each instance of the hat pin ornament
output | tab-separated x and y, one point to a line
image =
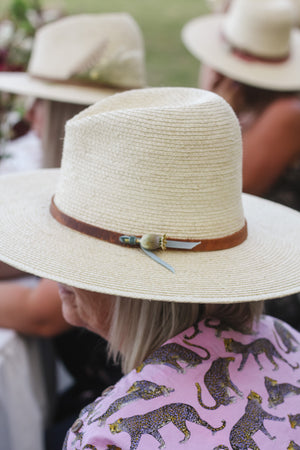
150	242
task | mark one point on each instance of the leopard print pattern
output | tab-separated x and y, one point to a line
194	334
173	415
144	389
256	348
294	420
151	422
278	392
286	337
170	354
293	446
218	382
250	423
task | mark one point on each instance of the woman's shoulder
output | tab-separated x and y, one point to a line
271	145
114	420
191	377
284	110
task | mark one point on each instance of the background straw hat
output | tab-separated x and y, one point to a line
254	42
160	160
81	59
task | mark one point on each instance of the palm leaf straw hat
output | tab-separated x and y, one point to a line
81	59
254	42
151	173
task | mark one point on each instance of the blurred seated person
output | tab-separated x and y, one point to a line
109	58
37	311
245	58
100	54
250	55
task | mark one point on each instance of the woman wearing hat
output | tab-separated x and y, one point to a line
156	249
251	57
75	61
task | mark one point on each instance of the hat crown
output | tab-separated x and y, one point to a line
162	160
260	27
98	49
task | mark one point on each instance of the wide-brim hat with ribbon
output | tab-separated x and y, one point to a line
148	204
81	59
254	43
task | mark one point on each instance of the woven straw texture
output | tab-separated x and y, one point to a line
260	28
165	160
159	153
82	59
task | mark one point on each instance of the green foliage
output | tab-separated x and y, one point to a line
18	13
18	24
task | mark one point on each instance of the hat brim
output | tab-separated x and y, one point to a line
202	36
266	265
21	83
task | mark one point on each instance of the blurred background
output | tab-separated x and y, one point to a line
168	62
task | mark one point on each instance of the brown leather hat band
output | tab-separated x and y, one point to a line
254	58
251	57
113	237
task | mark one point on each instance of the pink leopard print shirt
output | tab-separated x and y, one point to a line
207	388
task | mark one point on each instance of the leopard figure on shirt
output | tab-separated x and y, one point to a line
250	423
171	354
278	392
218	382
151	422
256	348
145	390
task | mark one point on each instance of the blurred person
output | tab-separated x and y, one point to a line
99	55
78	60
250	56
75	61
34	309
169	262
88	66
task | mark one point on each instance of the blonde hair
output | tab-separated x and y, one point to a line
140	326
